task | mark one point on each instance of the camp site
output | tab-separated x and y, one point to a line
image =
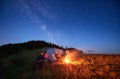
19	61
59	39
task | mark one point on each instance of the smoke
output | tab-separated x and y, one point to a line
71	57
73	54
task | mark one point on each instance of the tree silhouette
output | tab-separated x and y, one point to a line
8	49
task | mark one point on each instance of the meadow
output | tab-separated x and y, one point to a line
94	66
87	67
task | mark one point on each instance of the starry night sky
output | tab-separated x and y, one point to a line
84	24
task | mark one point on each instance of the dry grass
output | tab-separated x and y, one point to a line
93	67
87	67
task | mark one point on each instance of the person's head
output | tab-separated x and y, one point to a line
58	52
41	53
52	55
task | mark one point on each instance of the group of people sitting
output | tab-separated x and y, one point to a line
43	57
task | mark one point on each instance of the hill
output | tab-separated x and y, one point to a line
9	49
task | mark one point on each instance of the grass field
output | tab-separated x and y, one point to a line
93	67
87	67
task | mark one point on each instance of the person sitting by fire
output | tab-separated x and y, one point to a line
46	56
39	59
58	55
53	58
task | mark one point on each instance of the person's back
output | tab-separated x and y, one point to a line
39	61
53	58
46	55
58	56
40	58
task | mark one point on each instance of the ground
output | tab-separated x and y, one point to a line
94	66
88	67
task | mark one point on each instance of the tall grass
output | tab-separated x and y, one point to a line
19	66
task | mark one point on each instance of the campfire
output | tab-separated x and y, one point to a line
69	59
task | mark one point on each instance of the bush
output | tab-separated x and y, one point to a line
18	66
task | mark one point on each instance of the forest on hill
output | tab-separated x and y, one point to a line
9	49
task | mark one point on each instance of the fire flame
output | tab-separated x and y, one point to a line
70	60
67	60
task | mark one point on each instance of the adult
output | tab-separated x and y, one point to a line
46	56
39	61
53	58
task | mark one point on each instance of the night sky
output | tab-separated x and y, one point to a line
84	24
